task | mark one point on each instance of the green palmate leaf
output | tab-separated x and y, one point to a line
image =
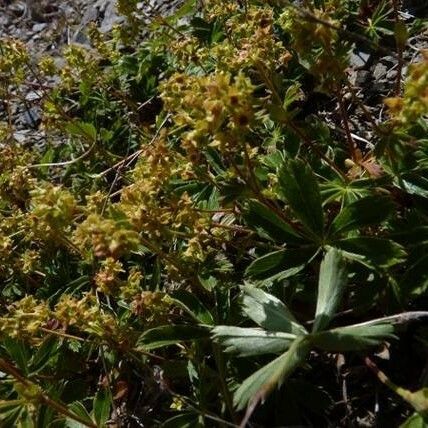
193	306
415	280
46	351
45	417
102	406
269	312
71	423
252	341
18	351
184	10
364	212
300	187
79	410
6	405
82	129
373	252
415	421
332	281
9	416
262	382
25	419
280	264
346	192
268	224
355	337
419	401
170	335
415	184
10	412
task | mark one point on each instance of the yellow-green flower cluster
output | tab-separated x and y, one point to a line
47	66
24	318
161	216
109	280
13	62
252	35
52	211
105	237
81	67
103	46
317	43
6	250
29	318
250	42
16	179
29	262
220	9
217	109
132	286
414	103
150	208
83	314
13	230
153	308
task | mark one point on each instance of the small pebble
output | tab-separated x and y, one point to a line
39	27
379	71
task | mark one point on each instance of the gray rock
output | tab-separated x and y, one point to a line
33	96
379	87
362	77
110	16
21	136
379	71
392	74
359	59
104	13
389	59
31	117
39	27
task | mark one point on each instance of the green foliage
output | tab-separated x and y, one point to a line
302	192
196	244
332	282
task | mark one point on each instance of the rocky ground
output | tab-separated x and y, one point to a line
46	26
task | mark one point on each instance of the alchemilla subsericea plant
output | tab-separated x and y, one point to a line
204	239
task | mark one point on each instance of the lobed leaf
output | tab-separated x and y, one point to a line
280	264
355	337
166	335
372	252
252	341
269	312
300	187
415	421
268	224
261	383
331	284
82	129
102	405
364	212
193	306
